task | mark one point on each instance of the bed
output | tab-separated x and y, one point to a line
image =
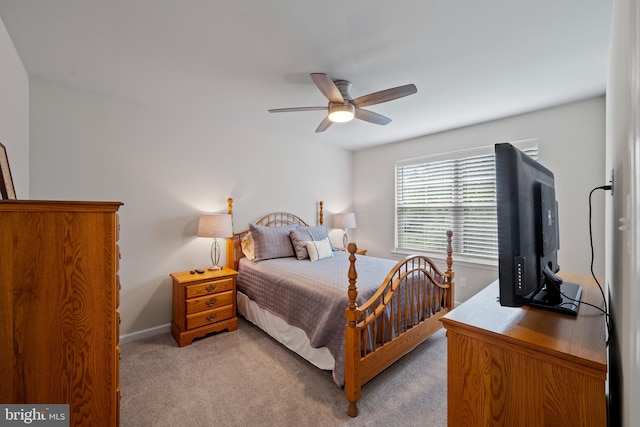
353	315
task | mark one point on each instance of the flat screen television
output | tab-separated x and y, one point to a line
528	239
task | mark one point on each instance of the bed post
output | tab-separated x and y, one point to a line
231	253
321	217
352	383
449	274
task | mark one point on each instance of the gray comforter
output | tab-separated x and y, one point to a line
312	295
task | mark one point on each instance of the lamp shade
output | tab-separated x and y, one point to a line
215	225
344	220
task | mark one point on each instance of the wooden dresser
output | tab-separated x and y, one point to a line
511	366
59	294
203	303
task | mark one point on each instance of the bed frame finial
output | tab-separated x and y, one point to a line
321	219
449	274
353	275
352	389
231	255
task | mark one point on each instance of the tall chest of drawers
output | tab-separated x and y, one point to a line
59	295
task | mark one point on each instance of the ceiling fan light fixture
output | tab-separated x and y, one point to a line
340	113
343	108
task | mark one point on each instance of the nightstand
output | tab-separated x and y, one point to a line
203	303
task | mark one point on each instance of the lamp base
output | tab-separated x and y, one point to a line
215	256
345	240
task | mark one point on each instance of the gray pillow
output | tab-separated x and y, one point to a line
271	242
302	235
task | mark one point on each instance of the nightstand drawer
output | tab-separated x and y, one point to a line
209	316
211	287
208	302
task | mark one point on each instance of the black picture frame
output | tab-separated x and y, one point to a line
7	191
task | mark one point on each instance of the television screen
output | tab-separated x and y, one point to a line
528	235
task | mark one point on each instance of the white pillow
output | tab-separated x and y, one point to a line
319	249
247	246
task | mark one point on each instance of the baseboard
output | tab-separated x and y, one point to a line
145	333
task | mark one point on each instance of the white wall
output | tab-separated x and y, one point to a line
623	245
167	168
571	143
14	113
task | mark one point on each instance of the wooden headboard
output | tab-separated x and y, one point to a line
273	219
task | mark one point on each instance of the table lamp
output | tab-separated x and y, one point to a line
215	226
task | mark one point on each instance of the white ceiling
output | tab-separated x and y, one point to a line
471	60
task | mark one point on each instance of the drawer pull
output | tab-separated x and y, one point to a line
211	317
210	288
211	302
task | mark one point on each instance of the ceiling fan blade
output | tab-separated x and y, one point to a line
324	125
286	110
370	116
385	95
327	87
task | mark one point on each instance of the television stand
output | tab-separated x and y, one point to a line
567	301
556	295
517	366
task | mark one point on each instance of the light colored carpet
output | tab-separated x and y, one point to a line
245	378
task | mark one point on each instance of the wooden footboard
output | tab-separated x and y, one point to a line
403	312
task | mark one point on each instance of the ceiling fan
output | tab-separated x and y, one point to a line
343	108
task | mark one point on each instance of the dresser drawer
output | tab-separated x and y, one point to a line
118	289
208	302
210	316
117	227
211	287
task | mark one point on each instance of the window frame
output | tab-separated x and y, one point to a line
456	207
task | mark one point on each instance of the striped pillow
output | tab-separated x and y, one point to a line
319	249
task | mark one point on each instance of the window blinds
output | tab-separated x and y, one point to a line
453	191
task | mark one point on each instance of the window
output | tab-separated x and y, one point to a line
453	191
